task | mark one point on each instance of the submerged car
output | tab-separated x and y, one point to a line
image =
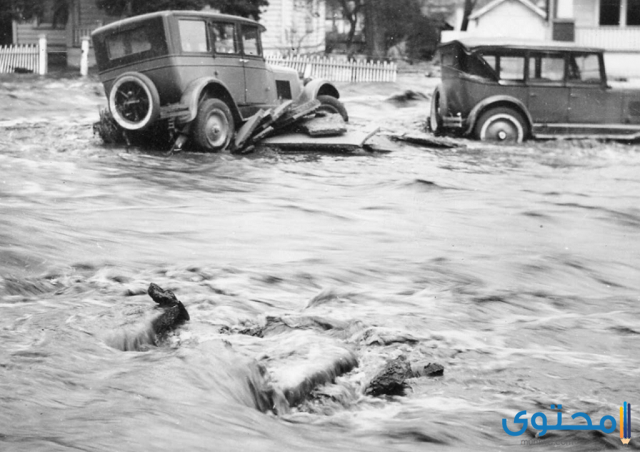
495	90
197	72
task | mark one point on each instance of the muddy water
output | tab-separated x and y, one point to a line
517	268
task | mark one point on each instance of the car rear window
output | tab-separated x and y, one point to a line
193	36
135	42
128	43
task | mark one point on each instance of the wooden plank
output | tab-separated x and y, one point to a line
247	129
299	142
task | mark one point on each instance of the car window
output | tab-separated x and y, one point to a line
193	36
511	67
546	67
128	42
585	68
251	41
224	37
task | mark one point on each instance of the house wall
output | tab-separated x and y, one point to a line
29	33
510	19
294	26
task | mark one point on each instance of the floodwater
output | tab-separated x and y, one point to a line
516	268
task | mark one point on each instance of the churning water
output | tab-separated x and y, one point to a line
517	268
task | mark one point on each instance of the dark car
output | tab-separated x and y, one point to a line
199	72
499	90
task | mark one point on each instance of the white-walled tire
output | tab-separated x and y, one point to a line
134	101
501	124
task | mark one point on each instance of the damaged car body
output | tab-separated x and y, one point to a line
195	73
506	91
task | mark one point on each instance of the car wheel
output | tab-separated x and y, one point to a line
435	119
134	101
330	104
501	124
213	127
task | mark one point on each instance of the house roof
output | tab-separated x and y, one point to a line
495	3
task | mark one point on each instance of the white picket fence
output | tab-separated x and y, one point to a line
19	58
338	71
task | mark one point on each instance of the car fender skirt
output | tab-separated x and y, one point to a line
496	101
318	87
193	94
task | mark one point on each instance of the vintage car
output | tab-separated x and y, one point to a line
197	72
499	90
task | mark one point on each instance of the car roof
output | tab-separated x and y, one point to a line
143	17
474	43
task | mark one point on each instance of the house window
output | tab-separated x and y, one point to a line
609	12
633	12
620	12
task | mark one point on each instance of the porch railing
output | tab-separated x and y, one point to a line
83	32
609	38
338	71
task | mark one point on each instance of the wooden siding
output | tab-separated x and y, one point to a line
29	33
294	25
585	13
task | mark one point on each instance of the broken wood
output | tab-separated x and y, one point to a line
248	128
327	125
424	139
300	142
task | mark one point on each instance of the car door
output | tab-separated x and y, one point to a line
590	102
548	101
259	82
228	66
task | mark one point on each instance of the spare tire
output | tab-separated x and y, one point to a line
134	101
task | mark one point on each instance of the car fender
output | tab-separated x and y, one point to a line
193	94
496	101
318	87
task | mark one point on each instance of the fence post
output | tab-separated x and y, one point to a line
84	56
42	57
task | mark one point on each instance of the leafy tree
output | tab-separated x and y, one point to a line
245	8
24	10
352	11
388	22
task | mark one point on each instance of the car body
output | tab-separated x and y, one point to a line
199	72
499	90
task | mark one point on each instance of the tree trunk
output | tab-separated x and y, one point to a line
374	30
